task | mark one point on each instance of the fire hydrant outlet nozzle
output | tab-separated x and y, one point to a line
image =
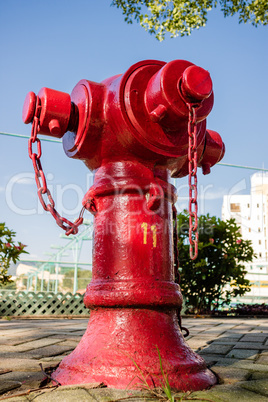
196	84
136	130
55	111
29	106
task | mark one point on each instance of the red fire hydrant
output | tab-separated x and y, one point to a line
134	129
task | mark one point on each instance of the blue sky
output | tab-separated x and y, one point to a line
55	43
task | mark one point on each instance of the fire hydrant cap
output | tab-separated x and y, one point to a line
197	82
29	108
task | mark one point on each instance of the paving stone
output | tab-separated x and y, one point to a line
258	386
216	349
109	394
205	337
225	338
226	361
210	359
52	359
262	360
65	335
77	394
258	375
21	364
243	354
261	328
229	375
48	351
16	356
253	338
226	326
232	334
196	343
24	377
249	365
67	332
194	330
213	332
6	349
228	393
250	345
70	342
18	399
6	386
15	340
223	342
14	332
81	333
200	328
72	395
18	364
24	347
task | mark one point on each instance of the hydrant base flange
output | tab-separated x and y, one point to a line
122	346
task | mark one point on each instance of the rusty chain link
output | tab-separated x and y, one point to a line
192	180
42	190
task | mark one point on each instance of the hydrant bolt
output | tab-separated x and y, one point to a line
158	113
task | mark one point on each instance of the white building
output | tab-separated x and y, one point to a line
251	214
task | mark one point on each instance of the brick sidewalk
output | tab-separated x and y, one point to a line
235	349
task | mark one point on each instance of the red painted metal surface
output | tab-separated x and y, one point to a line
133	129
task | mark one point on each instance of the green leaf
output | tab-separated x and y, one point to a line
8	251
180	18
204	280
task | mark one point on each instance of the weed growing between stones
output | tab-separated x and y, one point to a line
164	392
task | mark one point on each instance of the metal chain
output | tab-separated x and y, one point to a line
192	169
175	245
42	190
176	265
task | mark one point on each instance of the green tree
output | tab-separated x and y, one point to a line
218	273
9	252
11	285
83	279
179	18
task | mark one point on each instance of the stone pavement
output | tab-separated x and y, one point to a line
236	349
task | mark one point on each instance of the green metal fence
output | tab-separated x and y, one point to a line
14	303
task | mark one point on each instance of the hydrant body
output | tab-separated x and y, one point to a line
134	130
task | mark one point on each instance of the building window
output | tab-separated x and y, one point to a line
248	205
258	205
249	229
259	229
259	241
235	207
259	254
